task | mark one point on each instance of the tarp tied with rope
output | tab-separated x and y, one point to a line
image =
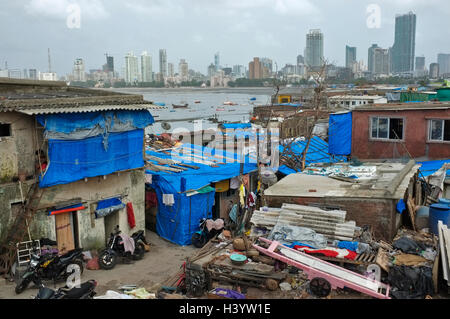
82	145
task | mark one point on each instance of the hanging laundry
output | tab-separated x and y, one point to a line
242	195
251	199
168	199
131	218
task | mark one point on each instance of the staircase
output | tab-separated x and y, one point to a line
19	229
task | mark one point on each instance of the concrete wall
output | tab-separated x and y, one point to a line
94	232
17	152
415	136
378	213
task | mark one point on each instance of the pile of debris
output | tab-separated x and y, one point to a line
161	142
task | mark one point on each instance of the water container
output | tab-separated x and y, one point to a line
444	201
422	217
439	212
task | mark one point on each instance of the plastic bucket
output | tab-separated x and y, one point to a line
439	212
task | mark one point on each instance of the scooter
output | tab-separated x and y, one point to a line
115	248
85	291
50	267
201	237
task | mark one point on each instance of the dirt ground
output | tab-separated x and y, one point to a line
162	261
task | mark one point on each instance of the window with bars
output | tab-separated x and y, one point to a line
439	130
387	128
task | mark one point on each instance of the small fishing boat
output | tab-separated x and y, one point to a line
160	104
253	99
229	103
219	109
197	101
179	106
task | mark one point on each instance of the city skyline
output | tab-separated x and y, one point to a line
237	40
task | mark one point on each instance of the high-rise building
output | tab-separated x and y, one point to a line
163	63
267	67
217	61
170	70
444	63
183	70
239	71
146	67
314	49
370	64
350	56
381	61
79	73
211	70
300	59
403	50
420	63
131	68
434	70
255	69
109	66
33	74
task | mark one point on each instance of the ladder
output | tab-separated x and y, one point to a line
19	228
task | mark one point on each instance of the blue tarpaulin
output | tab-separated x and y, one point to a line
108	206
340	134
71	122
430	167
236	125
71	161
317	153
178	222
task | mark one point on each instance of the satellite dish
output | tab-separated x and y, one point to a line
166	126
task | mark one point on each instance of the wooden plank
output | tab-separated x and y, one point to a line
382	259
412	211
443	251
64	235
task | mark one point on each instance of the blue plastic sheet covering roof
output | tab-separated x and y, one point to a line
317	153
71	161
430	167
236	125
71	122
228	166
340	134
178	222
108	206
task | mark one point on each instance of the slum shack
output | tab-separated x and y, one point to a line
368	193
189	182
66	152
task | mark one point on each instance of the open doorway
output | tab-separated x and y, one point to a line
111	221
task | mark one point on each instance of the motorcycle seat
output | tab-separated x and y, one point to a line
70	255
77	293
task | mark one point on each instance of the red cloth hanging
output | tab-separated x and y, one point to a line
130	213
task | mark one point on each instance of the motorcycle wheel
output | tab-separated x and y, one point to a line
22	285
139	252
107	261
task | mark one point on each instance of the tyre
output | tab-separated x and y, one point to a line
107	260
22	285
320	287
139	251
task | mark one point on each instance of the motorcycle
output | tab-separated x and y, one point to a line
201	237
50	267
116	248
85	291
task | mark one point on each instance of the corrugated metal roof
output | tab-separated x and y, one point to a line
87	109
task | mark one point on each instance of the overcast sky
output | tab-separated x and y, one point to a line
196	29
